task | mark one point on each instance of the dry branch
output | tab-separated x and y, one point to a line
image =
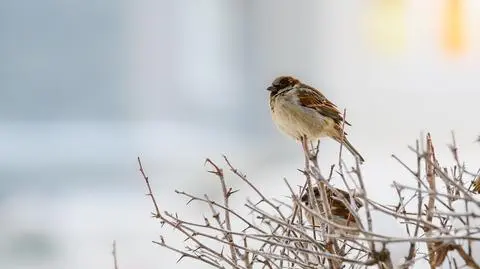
281	236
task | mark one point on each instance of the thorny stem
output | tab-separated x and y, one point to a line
286	242
226	195
430	157
150	193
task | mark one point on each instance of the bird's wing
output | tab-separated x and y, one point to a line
312	98
346	195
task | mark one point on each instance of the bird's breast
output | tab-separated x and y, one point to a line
297	120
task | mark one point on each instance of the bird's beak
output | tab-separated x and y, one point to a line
271	88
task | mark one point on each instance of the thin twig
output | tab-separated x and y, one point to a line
226	195
114	254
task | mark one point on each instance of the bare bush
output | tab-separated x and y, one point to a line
322	226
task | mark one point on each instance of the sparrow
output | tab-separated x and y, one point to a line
340	212
476	185
304	113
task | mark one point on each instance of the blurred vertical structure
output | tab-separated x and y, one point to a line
453	27
386	25
186	63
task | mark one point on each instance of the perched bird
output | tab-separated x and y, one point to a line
340	212
305	114
476	185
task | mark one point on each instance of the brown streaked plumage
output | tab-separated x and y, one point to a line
301	111
340	212
476	185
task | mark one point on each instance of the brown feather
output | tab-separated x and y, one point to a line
312	98
337	206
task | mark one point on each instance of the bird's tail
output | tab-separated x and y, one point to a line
350	148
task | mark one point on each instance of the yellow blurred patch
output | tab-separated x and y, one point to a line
453	37
386	25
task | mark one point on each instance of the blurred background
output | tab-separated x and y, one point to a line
87	86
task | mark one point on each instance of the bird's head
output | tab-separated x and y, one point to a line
282	83
305	198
